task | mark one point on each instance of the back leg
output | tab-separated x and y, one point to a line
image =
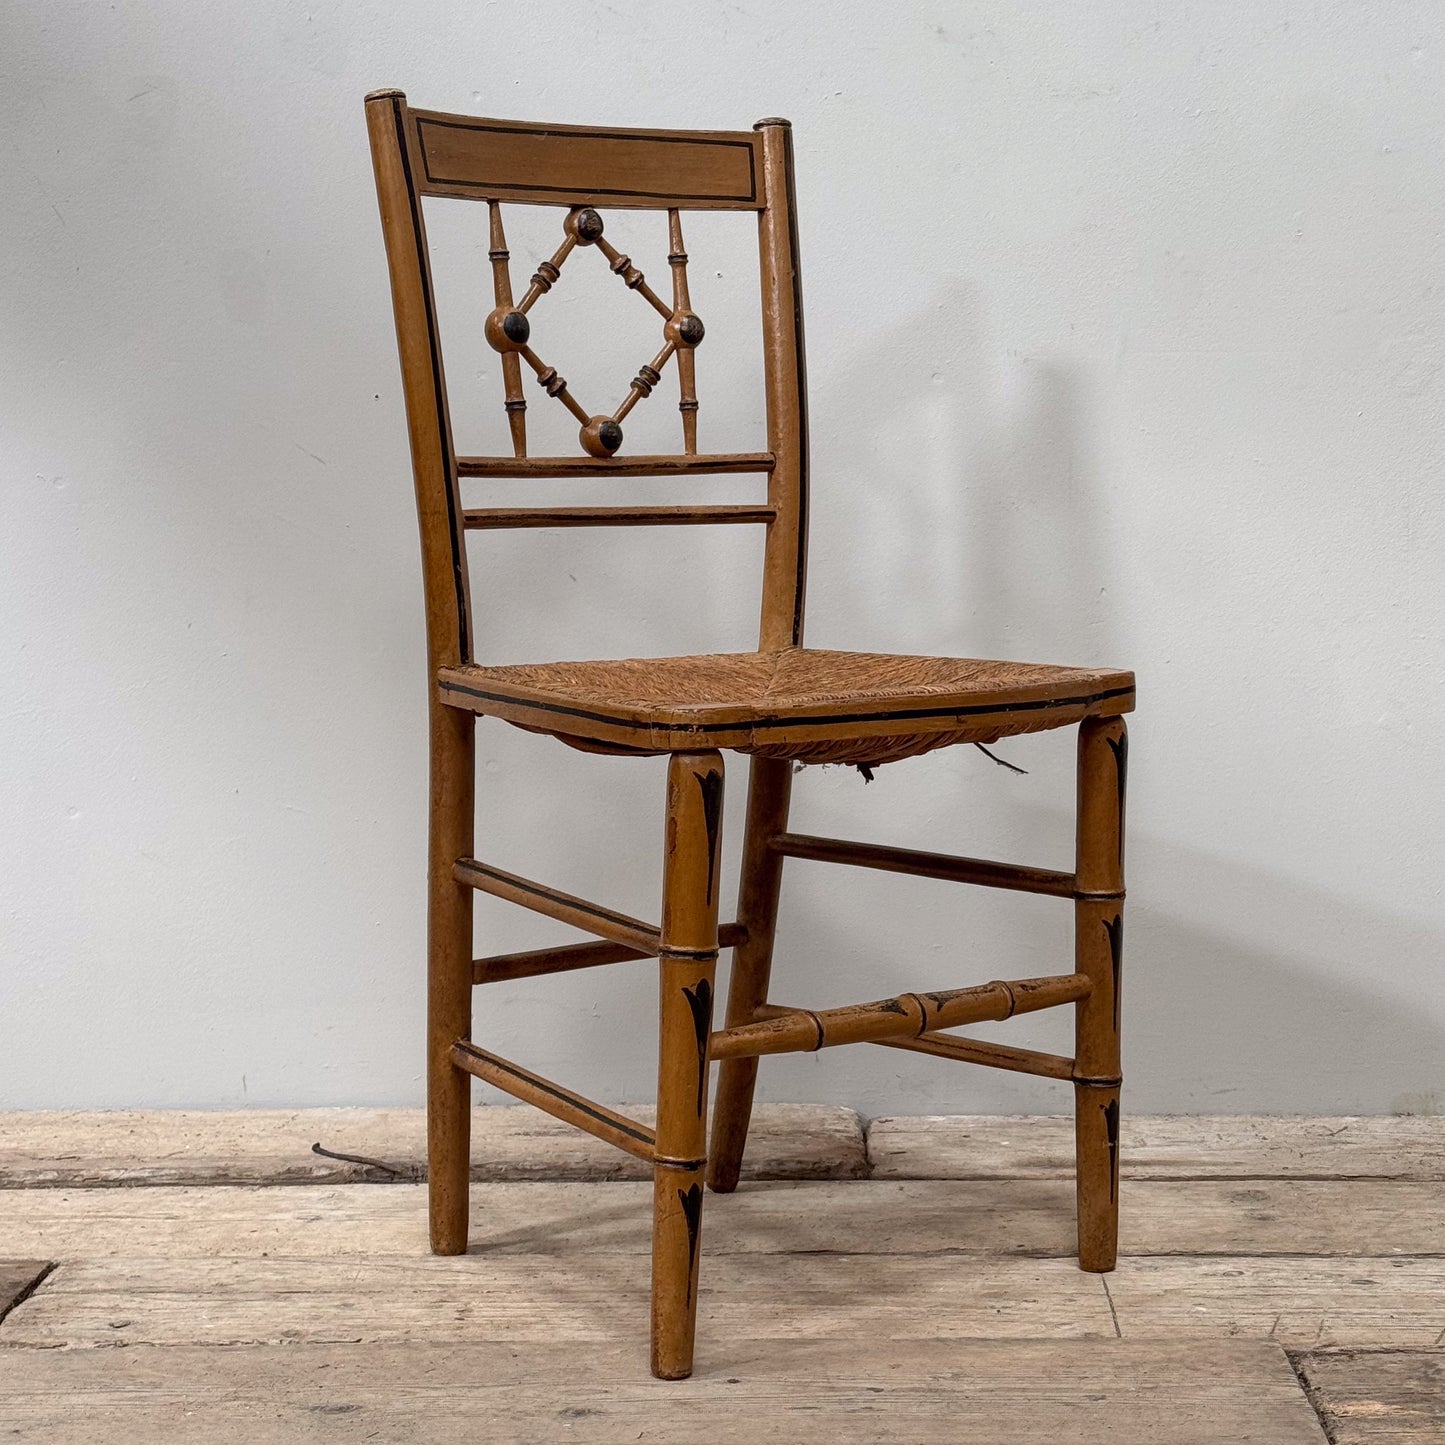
1099	953
449	977
769	790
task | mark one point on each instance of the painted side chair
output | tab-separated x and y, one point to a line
781	704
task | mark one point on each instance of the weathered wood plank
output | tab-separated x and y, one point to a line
1222	1147
1302	1303
923	1392
264	1146
1379	1399
1005	1217
17	1278
538	1299
787	1141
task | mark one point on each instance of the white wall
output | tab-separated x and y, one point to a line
1126	334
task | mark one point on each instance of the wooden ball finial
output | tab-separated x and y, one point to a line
601	436
684	328
585	224
507	329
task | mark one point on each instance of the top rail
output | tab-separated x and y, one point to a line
566	165
659	466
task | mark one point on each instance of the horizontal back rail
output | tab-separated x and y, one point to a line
503	967
510	518
564	165
680	465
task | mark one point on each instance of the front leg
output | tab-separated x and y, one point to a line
687	964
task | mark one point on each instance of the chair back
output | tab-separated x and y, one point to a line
584	172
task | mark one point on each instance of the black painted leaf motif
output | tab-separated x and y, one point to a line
691	1201
699	1001
1111	1132
1115	929
1120	748
711	786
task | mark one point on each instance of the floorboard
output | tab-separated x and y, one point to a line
923	1392
17	1278
1372	1398
277	1295
1303	1304
1165	1147
272	1146
1027	1217
536	1299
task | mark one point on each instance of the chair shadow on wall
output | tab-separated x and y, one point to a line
1029	575
1035	580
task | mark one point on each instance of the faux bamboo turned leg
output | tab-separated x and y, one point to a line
686	967
1099	953
449	978
769	790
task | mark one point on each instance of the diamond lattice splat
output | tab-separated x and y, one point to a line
509	332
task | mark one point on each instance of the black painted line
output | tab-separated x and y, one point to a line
801	375
545	133
817	1024
444	431
809	720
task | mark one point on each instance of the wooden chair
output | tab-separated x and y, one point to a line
781	704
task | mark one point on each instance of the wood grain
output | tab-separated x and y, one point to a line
1379	1399
473	157
273	1146
1303	1303
972	1217
1221	1147
923	1392
536	1299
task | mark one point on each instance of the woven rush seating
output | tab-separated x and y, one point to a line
807	704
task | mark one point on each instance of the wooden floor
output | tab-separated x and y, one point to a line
206	1277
